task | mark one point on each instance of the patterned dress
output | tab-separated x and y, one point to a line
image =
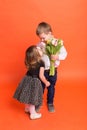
29	90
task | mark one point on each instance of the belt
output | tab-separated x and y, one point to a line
49	70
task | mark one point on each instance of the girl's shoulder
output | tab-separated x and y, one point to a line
41	62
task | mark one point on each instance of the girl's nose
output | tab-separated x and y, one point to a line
42	39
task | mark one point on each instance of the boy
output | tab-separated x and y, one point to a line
44	31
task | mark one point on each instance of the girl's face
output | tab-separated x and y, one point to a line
40	51
44	37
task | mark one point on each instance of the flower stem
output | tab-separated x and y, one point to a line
52	68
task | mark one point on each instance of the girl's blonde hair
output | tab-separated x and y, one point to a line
32	56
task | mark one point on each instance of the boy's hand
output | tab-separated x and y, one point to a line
54	57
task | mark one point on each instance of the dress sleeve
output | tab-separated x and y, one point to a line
42	64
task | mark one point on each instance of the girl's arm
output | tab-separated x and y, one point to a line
42	77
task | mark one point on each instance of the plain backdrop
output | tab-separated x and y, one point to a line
18	22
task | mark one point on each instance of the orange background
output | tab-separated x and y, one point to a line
18	22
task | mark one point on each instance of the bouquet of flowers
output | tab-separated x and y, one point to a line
52	48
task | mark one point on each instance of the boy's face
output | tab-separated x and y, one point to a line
44	37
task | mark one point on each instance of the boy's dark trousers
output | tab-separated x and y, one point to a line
51	88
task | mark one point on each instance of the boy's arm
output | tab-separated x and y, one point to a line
59	56
62	54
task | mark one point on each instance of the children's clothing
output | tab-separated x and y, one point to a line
29	90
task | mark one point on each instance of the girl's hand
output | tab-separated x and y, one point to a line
47	84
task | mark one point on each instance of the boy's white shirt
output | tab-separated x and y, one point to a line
61	56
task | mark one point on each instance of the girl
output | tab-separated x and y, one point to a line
29	90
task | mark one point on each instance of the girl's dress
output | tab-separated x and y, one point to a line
29	90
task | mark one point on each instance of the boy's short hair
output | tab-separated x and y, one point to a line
43	27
